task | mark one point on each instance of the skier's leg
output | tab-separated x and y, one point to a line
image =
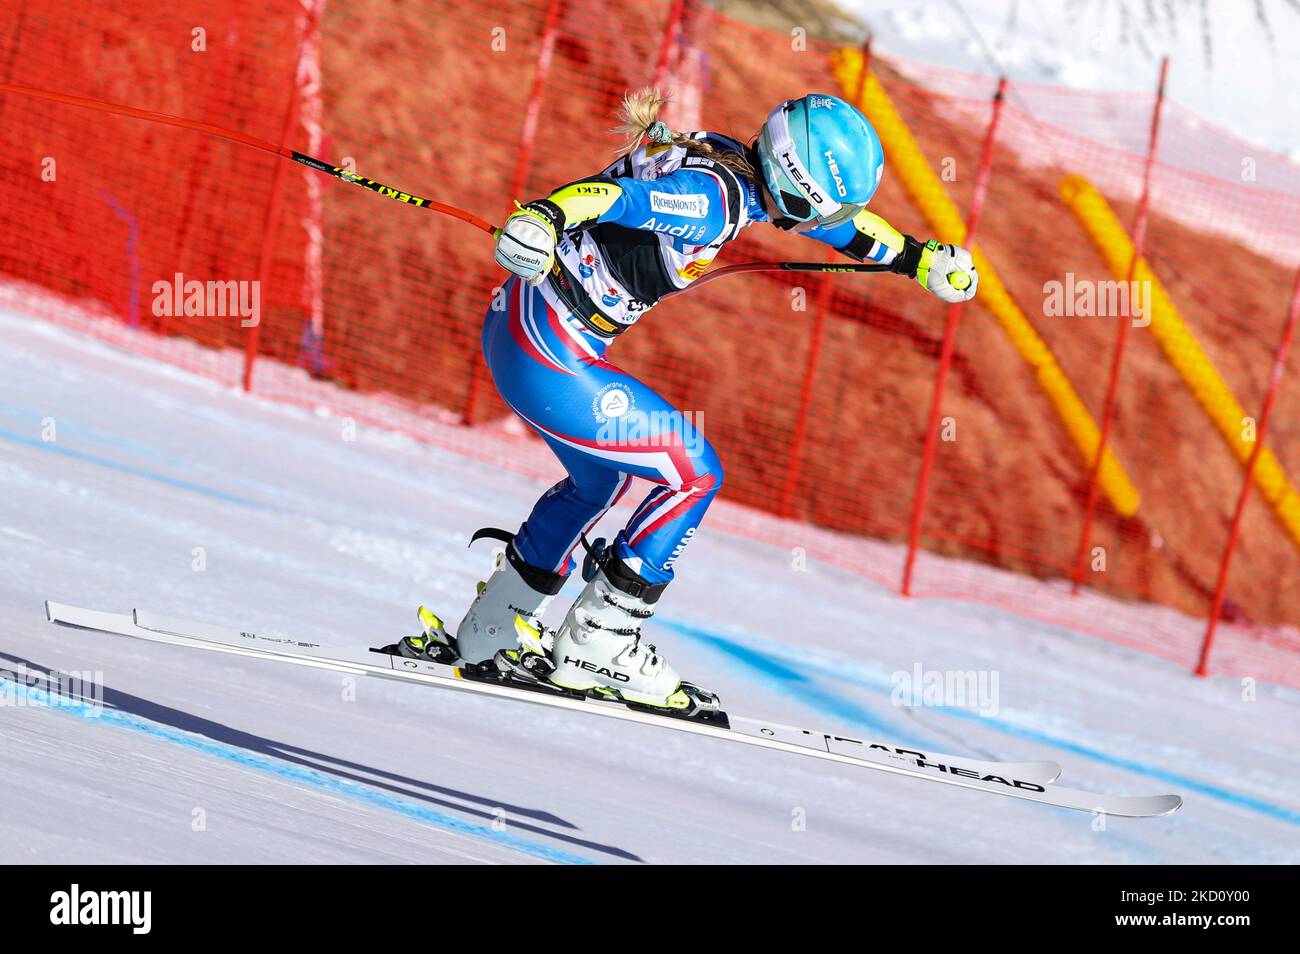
568	511
659	529
598	647
536	560
596	416
542	364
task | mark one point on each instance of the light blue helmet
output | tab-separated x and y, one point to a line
821	160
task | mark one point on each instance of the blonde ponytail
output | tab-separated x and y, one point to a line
638	112
638	117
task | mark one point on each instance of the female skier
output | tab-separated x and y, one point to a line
588	261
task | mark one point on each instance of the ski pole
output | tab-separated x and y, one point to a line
338	172
787	267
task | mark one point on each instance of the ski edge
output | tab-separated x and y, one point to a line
731	728
743	729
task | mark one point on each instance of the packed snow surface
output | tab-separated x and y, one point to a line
126	483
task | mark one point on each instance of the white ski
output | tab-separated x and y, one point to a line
1027	780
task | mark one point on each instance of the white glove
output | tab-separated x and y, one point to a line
526	244
948	272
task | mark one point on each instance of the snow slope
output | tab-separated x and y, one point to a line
203	758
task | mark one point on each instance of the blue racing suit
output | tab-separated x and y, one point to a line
648	225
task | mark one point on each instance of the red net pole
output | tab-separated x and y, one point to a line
794	472
542	72
671	30
949	345
863	72
1234	533
1121	335
267	251
527	142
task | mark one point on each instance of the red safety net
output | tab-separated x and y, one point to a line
814	389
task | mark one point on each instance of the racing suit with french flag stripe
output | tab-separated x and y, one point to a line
645	227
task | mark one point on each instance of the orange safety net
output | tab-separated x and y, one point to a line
814	389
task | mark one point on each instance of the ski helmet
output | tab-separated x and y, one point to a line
820	159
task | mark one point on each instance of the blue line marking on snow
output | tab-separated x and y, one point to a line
342	787
69	426
777	671
136	471
795	684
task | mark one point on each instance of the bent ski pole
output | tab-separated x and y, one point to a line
338	172
787	267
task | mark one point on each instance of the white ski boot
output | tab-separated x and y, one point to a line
515	589
598	651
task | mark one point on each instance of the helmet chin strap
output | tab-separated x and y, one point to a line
774	215
786	224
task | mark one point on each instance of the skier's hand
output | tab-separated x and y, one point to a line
948	272
526	243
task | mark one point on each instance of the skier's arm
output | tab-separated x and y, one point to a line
689	204
526	242
868	237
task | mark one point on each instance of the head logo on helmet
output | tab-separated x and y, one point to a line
821	160
835	174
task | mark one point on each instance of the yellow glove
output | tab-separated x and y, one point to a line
947	271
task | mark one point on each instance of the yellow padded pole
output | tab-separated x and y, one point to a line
1182	349
908	163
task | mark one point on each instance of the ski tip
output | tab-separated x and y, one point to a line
49	614
1143	806
1174	802
1043	772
